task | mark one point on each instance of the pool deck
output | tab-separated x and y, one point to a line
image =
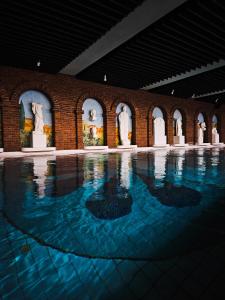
109	150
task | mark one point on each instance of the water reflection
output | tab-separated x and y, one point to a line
166	182
117	205
113	200
40	171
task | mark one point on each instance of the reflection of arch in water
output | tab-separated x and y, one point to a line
111	201
171	195
65	175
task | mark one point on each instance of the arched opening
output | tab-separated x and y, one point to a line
201	129
92	123
27	118
159	127
178	128
215	130
124	126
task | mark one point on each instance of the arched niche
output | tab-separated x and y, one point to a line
130	127
27	117
215	130
200	118
201	129
214	121
159	127
92	123
178	128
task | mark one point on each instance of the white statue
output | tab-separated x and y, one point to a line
179	127
38	114
93	132
124	126
215	135
201	129
92	114
159	131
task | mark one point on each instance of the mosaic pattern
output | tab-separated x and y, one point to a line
130	226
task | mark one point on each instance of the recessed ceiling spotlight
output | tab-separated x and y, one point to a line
217	99
105	78
38	63
193	96
172	92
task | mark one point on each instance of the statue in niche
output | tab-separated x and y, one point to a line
215	135
92	115
159	127
179	127
93	132
123	118
39	120
201	129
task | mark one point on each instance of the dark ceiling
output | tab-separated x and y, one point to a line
56	32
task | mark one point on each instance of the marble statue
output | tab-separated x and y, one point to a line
201	129
38	114
159	131
178	139
92	115
93	132
123	118
215	135
179	127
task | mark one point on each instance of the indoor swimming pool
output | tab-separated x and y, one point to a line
111	226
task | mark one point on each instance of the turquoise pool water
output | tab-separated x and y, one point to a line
62	216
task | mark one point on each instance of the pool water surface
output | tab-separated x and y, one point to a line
69	223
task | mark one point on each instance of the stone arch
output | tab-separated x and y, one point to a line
41	87
150	120
130	125
27	119
158	112
184	118
201	116
78	110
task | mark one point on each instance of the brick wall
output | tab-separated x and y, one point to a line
67	95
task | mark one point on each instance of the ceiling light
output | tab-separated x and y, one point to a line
38	63
105	78
172	92
193	96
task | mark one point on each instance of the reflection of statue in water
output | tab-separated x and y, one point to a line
92	115
201	129
179	127
38	114
124	126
